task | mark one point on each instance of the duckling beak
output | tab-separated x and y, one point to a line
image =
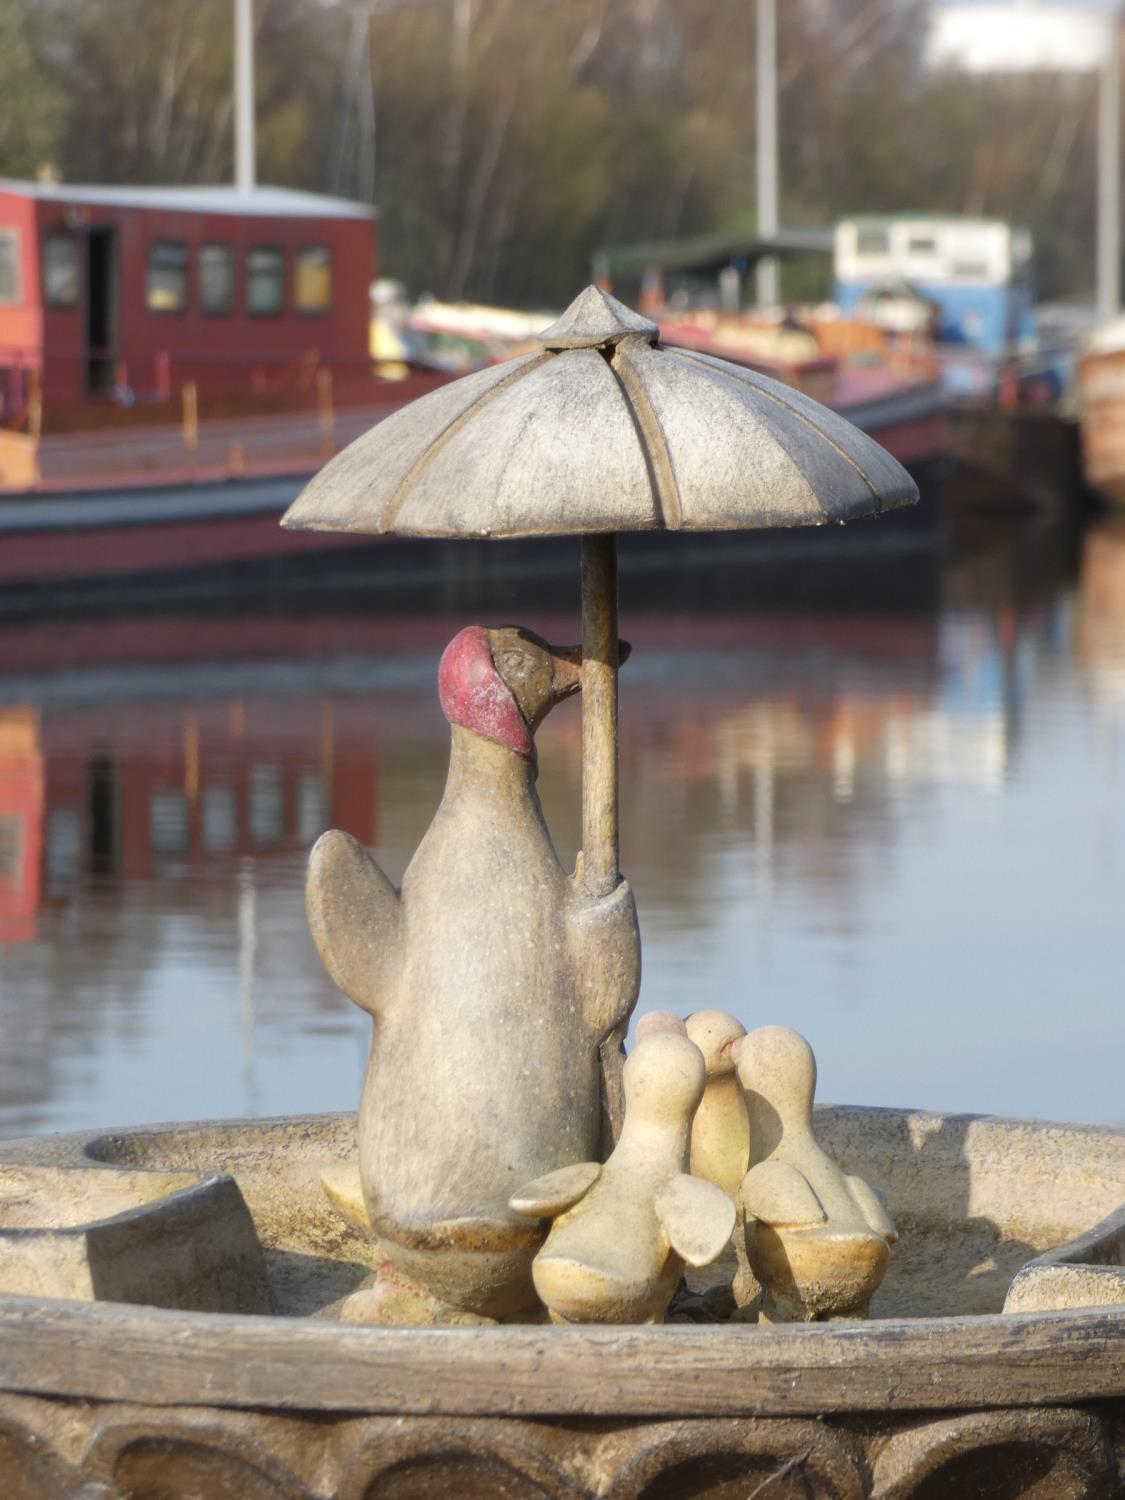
725	1060
654	1021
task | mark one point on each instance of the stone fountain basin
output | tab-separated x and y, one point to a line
162	1239
296	1403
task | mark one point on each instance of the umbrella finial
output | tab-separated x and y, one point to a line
595	320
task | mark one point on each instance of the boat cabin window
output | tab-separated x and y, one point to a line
60	269
216	278
954	251
312	279
9	267
169	830
870	240
970	270
166	288
12	836
265	281
219	818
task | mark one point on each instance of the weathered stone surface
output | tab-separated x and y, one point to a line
596	320
1087	1272
790	1459
98	1394
605	430
165	1239
124	1451
1013	1455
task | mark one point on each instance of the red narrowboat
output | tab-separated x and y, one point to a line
131	292
175	362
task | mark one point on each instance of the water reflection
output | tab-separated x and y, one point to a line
898	828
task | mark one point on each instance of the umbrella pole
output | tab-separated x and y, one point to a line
599	714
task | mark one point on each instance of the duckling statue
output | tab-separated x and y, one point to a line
493	981
720	1133
622	1231
817	1238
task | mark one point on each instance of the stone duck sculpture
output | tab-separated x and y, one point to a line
622	1231
720	1132
817	1238
492	980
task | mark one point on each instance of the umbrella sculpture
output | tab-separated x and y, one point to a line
602	430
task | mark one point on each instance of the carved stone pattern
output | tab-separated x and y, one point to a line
52	1450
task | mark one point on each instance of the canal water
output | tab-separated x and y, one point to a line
887	809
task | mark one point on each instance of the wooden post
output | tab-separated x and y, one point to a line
190	415
599	714
34	405
34	422
326	410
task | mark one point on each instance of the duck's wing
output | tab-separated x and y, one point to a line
354	914
554	1193
777	1193
698	1218
604	948
872	1205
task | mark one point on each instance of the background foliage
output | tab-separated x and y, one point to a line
505	139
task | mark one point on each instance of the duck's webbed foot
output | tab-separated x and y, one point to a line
745	1288
392	1299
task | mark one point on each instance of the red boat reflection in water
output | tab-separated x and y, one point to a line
136	791
136	768
21	823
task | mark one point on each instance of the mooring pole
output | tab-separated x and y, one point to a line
1109	174
599	714
245	151
768	282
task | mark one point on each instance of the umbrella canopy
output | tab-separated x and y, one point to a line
603	430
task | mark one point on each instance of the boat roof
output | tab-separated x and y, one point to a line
271	202
705	252
927	216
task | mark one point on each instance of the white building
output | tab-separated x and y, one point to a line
1019	36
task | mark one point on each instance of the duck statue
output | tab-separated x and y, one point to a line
494	982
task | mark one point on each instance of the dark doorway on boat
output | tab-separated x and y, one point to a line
101	310
104	820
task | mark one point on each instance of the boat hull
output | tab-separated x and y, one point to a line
225	530
1101	395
